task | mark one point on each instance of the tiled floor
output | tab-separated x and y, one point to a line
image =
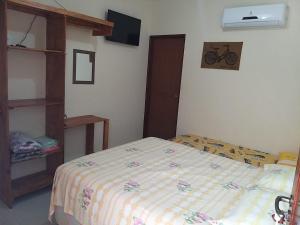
29	210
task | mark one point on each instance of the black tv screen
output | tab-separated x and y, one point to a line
126	29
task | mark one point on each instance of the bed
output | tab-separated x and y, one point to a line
159	182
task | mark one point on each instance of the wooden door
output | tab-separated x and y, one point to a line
163	85
295	217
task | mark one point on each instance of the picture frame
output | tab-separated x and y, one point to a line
222	55
83	67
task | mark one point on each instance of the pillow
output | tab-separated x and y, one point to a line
238	153
288	158
278	178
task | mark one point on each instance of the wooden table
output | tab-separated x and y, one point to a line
89	121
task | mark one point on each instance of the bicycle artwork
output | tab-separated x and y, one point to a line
222	55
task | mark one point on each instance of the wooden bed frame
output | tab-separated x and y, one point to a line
296	196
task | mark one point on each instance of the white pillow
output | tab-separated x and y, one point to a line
278	178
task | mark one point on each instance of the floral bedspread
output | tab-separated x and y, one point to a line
151	182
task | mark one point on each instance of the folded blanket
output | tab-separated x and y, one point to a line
19	157
23	143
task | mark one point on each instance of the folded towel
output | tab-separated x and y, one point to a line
23	143
46	142
51	149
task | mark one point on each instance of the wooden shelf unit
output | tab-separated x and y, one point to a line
57	20
53	102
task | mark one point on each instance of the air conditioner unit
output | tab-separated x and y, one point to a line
274	15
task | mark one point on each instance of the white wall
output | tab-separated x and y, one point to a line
120	78
119	91
257	106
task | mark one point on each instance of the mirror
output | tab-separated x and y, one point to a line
83	67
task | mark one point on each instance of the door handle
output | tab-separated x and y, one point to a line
281	213
277	202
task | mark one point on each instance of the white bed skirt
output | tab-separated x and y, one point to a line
61	218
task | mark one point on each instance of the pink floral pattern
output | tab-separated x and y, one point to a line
174	165
134	164
169	151
184	186
231	186
138	221
86	164
272	214
132	149
86	197
131	186
198	218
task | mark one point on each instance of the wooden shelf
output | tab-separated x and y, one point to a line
100	27
31	183
12	104
54	100
34	50
82	121
43	157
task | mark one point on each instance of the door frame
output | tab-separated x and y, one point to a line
149	71
296	194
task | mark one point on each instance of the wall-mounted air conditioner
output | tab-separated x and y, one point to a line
274	15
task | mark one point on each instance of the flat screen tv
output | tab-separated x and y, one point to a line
126	29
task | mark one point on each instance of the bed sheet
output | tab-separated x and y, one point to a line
151	182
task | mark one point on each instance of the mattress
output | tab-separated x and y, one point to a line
239	153
155	182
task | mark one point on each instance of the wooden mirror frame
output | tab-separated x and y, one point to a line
92	60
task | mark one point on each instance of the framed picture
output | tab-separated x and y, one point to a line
222	55
83	67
